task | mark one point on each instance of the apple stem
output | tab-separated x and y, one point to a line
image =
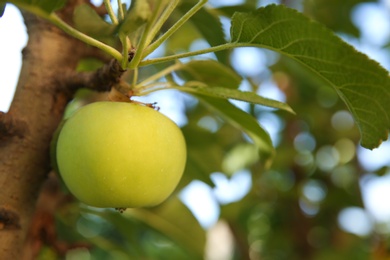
120	210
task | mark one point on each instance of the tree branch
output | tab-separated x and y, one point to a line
100	80
10	127
39	103
8	219
42	230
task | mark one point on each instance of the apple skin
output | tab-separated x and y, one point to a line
120	155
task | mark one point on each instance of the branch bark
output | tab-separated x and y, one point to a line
39	102
9	127
100	80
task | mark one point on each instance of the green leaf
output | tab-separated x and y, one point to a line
222	82
212	73
239	157
183	38
122	225
230	10
207	139
47	6
50	5
209	26
236	94
245	123
197	169
174	219
2	9
88	21
360	82
204	155
137	16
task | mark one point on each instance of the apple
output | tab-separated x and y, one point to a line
120	155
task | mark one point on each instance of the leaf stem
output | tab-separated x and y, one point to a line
135	77
110	11
121	15
141	46
145	34
125	50
161	20
156	87
174	28
125	41
57	21
83	37
188	54
160	74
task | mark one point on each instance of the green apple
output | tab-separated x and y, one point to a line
120	155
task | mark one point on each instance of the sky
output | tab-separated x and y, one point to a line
374	21
13	39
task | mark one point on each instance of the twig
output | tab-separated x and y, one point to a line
100	80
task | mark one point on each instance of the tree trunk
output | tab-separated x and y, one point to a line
26	130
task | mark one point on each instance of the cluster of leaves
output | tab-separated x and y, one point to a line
361	82
272	203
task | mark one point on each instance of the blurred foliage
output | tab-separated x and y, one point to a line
291	210
2	9
336	14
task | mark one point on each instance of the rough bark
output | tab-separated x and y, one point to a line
26	130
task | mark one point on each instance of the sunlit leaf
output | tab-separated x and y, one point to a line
362	83
214	79
236	94
239	157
